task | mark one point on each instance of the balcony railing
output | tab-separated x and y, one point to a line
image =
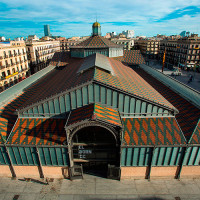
8	65
1	57
11	75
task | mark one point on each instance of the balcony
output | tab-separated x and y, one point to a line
11	55
8	65
15	54
6	56
17	62
1	57
21	61
11	75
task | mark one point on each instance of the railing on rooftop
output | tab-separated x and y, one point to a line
132	115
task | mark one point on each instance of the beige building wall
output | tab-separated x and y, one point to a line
126	43
33	171
149	47
41	52
14	65
133	172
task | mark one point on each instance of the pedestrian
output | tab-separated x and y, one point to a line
190	79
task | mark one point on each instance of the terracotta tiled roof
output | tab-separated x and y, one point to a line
95	112
131	57
152	131
60	58
188	115
38	131
61	80
195	138
7	115
96	42
128	80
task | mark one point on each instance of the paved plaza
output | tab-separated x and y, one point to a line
195	84
96	188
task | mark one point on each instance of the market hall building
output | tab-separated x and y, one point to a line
92	109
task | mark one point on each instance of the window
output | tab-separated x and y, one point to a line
3	74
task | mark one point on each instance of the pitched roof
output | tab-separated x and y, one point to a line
7	113
96	60
61	80
195	138
152	131
96	42
38	131
124	78
128	80
131	57
94	112
186	117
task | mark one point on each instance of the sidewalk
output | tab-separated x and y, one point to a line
195	84
92	188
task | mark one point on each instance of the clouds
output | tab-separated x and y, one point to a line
74	17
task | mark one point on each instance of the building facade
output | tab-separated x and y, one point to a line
47	30
40	53
14	65
98	116
183	52
96	44
128	33
148	48
126	43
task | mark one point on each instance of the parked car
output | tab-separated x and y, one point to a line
176	72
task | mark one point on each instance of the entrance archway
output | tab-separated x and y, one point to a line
95	147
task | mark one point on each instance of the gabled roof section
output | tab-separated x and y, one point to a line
96	60
38	131
195	138
188	115
128	80
94	112
61	80
152	131
131	57
96	42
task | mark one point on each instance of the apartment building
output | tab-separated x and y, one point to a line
13	63
184	52
149	48
40	53
65	44
126	43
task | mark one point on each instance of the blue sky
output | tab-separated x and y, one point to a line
74	17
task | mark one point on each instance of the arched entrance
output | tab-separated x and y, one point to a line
95	147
